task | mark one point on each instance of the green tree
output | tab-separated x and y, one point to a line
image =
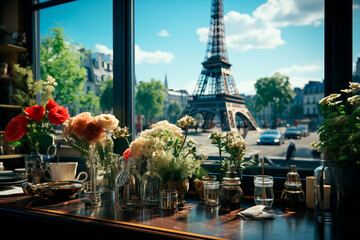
174	111
106	97
61	59
149	99
296	112
274	90
90	102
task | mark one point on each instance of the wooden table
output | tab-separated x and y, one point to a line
70	218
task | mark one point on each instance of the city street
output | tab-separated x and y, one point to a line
303	148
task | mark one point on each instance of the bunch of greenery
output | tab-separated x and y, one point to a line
233	144
340	132
28	89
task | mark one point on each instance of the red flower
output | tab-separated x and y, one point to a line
35	112
58	114
127	154
50	104
16	128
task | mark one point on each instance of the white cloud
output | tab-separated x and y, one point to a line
261	29
244	32
163	33
155	57
283	13
246	87
299	69
301	81
103	49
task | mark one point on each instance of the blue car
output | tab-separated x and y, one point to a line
271	137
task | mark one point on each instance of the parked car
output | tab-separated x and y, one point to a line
293	132
304	130
271	137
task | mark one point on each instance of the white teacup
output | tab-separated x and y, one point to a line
64	171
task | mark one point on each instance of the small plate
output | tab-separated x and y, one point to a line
10	178
60	189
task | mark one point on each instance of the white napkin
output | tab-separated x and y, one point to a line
256	212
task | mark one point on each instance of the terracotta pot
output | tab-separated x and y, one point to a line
182	186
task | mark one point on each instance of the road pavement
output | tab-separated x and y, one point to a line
303	148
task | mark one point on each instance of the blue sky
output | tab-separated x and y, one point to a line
263	37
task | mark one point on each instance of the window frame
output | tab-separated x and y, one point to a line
337	52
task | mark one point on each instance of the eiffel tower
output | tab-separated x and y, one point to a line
215	93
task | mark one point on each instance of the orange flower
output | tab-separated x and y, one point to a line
127	154
79	123
93	131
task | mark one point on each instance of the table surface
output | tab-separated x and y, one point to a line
193	218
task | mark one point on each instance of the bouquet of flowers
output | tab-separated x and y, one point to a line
36	121
233	144
91	136
172	155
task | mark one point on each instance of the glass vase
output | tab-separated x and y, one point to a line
33	167
150	186
92	193
325	191
127	185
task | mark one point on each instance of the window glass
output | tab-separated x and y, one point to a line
356	40
265	40
76	50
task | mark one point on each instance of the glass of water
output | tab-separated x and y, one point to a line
264	192
211	193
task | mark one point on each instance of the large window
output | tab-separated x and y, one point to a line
262	38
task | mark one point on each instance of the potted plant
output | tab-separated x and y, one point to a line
339	139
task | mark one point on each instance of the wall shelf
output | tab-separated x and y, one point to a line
12	156
9	106
10	48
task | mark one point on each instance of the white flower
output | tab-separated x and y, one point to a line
186	121
107	121
176	131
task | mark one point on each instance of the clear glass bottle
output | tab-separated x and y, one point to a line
127	186
150	187
231	194
264	192
325	191
293	196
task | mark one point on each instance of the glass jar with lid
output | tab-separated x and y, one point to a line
231	194
293	196
264	192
